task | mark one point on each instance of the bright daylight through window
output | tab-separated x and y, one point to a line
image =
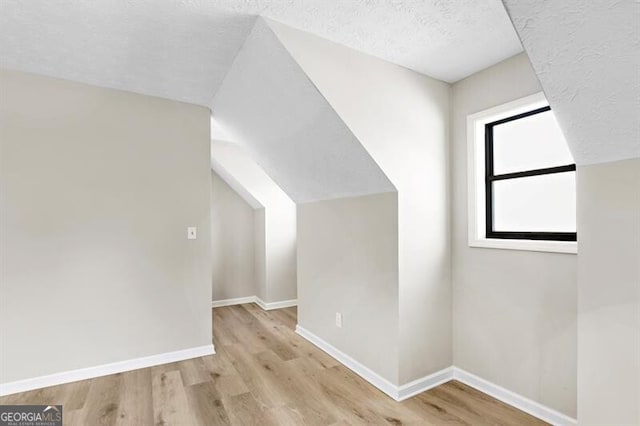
522	179
530	179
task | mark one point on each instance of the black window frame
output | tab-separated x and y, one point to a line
491	177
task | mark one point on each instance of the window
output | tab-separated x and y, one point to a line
521	179
530	179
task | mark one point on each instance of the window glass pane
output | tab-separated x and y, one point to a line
533	142
545	203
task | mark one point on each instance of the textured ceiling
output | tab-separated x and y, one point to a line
181	49
268	105
445	39
587	57
178	50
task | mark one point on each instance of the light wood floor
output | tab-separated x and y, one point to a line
263	374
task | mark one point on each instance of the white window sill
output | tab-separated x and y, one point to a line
570	247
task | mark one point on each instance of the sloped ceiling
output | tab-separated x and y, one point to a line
245	176
447	40
235	184
179	50
270	107
587	57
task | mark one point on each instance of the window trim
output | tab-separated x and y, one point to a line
476	181
491	177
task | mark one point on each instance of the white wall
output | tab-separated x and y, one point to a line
514	312
276	270
232	241
280	254
401	118
609	293
97	189
348	263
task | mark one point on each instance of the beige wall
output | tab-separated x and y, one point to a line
609	293
259	253
232	240
514	312
275	224
97	189
401	118
348	263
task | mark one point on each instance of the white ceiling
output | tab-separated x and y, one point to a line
246	177
587	57
445	39
181	49
268	105
178	50
235	184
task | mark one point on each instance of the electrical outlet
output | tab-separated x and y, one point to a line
338	320
191	233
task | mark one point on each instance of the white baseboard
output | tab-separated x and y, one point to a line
400	393
520	402
231	302
267	306
104	370
425	383
365	372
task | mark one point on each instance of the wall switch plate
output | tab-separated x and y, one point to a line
338	320
191	233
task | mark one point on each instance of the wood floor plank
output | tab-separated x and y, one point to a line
41	396
206	404
72	417
467	413
272	335
194	371
101	406
231	385
285	416
287	316
263	373
222	333
263	386
244	410
305	395
240	314
75	394
475	401
136	404
350	404
219	364
170	406
249	339
432	412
